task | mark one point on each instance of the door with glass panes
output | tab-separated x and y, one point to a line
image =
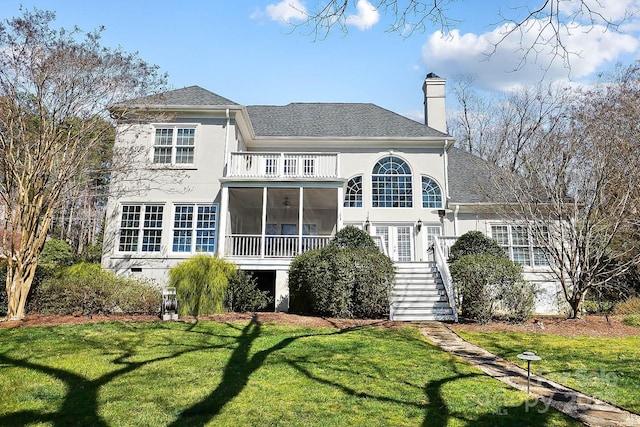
398	239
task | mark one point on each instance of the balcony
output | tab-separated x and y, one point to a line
283	165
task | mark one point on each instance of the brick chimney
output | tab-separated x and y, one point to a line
434	106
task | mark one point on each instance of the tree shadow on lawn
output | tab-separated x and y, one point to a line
80	403
436	409
236	374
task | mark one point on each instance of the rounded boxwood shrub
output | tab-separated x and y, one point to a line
348	279
88	289
351	237
201	284
488	284
474	242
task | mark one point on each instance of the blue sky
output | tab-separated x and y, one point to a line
246	51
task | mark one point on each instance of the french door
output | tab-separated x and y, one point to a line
398	240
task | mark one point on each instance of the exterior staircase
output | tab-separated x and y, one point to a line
419	294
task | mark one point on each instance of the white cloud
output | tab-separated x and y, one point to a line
366	18
287	11
592	48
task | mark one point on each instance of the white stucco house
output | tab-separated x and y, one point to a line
260	184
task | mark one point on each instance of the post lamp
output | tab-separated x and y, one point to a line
528	356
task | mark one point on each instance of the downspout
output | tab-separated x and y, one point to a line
455	220
445	158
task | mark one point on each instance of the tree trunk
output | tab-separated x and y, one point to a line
18	287
576	304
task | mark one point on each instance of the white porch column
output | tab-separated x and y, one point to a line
222	221
339	223
264	221
300	219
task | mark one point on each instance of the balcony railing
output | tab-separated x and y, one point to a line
283	165
258	246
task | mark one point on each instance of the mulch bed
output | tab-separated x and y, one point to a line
595	326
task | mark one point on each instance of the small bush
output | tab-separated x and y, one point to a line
630	306
351	237
475	243
631	320
518	300
201	284
87	289
341	282
243	294
598	307
487	283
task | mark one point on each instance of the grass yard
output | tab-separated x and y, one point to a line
606	368
231	374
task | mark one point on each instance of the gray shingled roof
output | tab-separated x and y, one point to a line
469	177
334	120
192	96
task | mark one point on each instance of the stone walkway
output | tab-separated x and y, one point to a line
590	411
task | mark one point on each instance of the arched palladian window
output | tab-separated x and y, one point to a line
353	195
391	185
431	193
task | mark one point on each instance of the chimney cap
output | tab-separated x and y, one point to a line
433	76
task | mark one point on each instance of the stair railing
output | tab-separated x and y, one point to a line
447	281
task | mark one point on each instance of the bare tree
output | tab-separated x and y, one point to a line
578	192
549	21
504	128
55	85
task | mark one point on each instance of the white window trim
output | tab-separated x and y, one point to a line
174	146
532	266
194	228
143	206
440	187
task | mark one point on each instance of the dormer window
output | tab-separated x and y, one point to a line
174	145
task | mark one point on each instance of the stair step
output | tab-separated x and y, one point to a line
423	318
411	304
419	299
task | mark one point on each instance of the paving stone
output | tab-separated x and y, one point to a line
578	405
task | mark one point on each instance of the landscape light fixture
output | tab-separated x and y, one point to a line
528	356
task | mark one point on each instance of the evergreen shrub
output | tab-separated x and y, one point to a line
488	284
243	294
201	284
350	278
474	242
631	320
87	289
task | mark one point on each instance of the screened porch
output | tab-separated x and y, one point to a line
279	222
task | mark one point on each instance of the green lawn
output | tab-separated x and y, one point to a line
178	374
607	368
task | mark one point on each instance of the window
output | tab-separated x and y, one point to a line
391	185
519	245
194	228
353	195
141	228
174	145
431	193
